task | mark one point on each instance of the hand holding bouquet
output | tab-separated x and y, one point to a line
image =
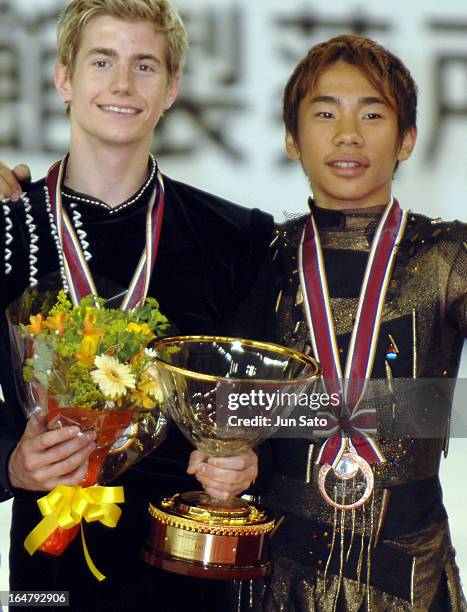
92	367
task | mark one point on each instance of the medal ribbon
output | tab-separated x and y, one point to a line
347	417
77	271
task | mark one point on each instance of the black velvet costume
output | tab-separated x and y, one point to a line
398	545
209	255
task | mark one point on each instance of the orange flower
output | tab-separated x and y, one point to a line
88	325
36	324
58	322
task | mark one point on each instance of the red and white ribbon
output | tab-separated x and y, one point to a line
78	274
347	418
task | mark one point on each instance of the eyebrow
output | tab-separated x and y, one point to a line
364	101
112	53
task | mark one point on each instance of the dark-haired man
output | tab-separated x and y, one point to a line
372	292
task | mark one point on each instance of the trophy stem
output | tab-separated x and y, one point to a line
199	504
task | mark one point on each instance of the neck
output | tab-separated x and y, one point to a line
369	206
374	209
111	174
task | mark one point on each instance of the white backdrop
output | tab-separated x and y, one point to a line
226	135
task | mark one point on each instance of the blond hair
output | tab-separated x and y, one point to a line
161	13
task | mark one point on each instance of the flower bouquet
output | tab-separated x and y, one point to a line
93	367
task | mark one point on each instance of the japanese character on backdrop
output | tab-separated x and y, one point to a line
211	95
52	124
449	93
9	76
28	104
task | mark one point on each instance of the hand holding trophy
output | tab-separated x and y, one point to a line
226	395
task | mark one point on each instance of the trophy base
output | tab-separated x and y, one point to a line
193	535
200	570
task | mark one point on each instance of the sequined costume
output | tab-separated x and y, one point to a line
399	543
209	254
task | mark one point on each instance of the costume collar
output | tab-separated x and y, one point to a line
145	190
327	218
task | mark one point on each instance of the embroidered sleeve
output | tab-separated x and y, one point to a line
19	249
6	239
12	279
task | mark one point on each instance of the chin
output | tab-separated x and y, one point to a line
347	196
120	139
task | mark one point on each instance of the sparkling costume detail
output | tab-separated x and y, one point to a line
395	552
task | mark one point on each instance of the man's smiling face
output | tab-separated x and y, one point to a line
348	140
119	86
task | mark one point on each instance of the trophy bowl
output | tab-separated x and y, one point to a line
226	395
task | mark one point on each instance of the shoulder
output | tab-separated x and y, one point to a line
288	234
294	225
425	230
35	189
216	212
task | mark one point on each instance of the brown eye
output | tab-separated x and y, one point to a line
145	68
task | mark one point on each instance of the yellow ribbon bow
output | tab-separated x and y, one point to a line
67	506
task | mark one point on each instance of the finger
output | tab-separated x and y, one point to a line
61	451
36	424
215	474
48	439
197	457
35	457
228	487
22	172
64	467
72	479
8	182
240	462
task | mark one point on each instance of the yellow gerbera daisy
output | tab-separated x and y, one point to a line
113	377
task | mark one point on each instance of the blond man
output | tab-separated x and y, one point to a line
119	68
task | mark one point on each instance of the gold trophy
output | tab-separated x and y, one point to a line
226	395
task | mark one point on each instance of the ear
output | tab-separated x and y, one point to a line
172	92
62	82
408	144
291	147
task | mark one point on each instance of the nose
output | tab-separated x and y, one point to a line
348	132
122	82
